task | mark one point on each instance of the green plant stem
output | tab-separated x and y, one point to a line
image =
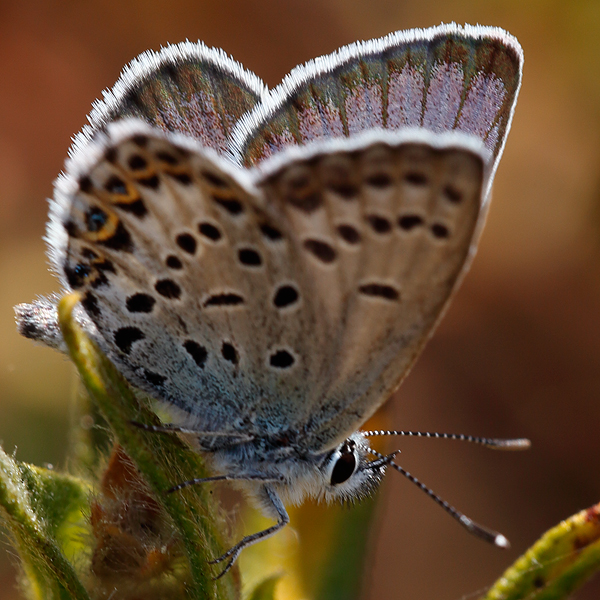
561	561
163	459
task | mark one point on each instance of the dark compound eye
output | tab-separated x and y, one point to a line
344	466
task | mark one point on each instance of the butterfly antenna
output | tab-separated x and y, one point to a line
496	444
493	537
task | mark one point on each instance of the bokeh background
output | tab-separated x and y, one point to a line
518	353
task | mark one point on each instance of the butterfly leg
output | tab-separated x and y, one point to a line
172	428
273	501
240	477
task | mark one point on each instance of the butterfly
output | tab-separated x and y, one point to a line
272	262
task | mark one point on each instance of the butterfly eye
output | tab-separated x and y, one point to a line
344	466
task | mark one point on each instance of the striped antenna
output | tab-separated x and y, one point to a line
488	535
495	444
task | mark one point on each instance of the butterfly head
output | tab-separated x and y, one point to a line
347	473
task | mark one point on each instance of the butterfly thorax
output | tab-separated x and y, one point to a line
343	473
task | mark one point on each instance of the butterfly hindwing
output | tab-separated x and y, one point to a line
189	280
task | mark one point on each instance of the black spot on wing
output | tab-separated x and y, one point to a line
270	232
137	207
105	265
95	219
126	336
214	179
98	279
321	250
137	162
115	185
167	158
120	240
379	224
168	289
140	303
408	222
249	257
228	299
198	353
379	290
440	231
90	303
155	379
302	193
89	254
229	353
349	234
152	182
210	231
77	275
281	359
453	194
85	184
173	262
307	203
379	180
71	229
183	178
416	178
231	205
347	191
186	242
140	140
285	296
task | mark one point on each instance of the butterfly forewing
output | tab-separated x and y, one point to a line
187	88
441	79
382	234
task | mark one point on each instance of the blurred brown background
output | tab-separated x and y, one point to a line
518	354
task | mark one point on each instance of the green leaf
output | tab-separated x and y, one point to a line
342	571
44	512
562	560
162	459
265	590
